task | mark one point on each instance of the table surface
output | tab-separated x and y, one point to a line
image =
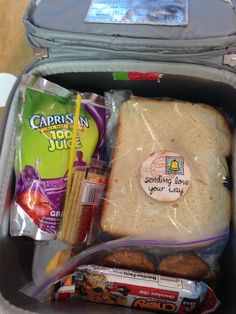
14	52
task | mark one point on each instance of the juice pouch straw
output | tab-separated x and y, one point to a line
71	222
70	190
43	143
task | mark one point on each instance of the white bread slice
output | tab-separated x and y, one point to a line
202	136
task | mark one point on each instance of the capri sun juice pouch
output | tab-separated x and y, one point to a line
43	142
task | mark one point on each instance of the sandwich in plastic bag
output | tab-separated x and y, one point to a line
168	170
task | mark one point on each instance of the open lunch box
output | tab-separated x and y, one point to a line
195	62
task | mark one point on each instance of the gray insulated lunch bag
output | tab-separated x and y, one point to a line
80	47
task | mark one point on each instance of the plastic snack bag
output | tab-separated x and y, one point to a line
136	290
79	224
43	143
68	280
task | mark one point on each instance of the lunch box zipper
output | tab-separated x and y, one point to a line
230	59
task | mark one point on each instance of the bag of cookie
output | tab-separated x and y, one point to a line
135	289
195	261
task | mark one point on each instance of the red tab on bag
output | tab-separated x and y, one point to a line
144	76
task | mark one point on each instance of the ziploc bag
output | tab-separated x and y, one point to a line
133	253
43	142
168	169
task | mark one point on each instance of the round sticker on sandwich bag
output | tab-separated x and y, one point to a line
165	176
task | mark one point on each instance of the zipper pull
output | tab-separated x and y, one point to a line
40	53
230	59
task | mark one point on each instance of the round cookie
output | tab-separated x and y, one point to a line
132	260
187	266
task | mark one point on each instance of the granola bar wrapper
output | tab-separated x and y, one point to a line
134	289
